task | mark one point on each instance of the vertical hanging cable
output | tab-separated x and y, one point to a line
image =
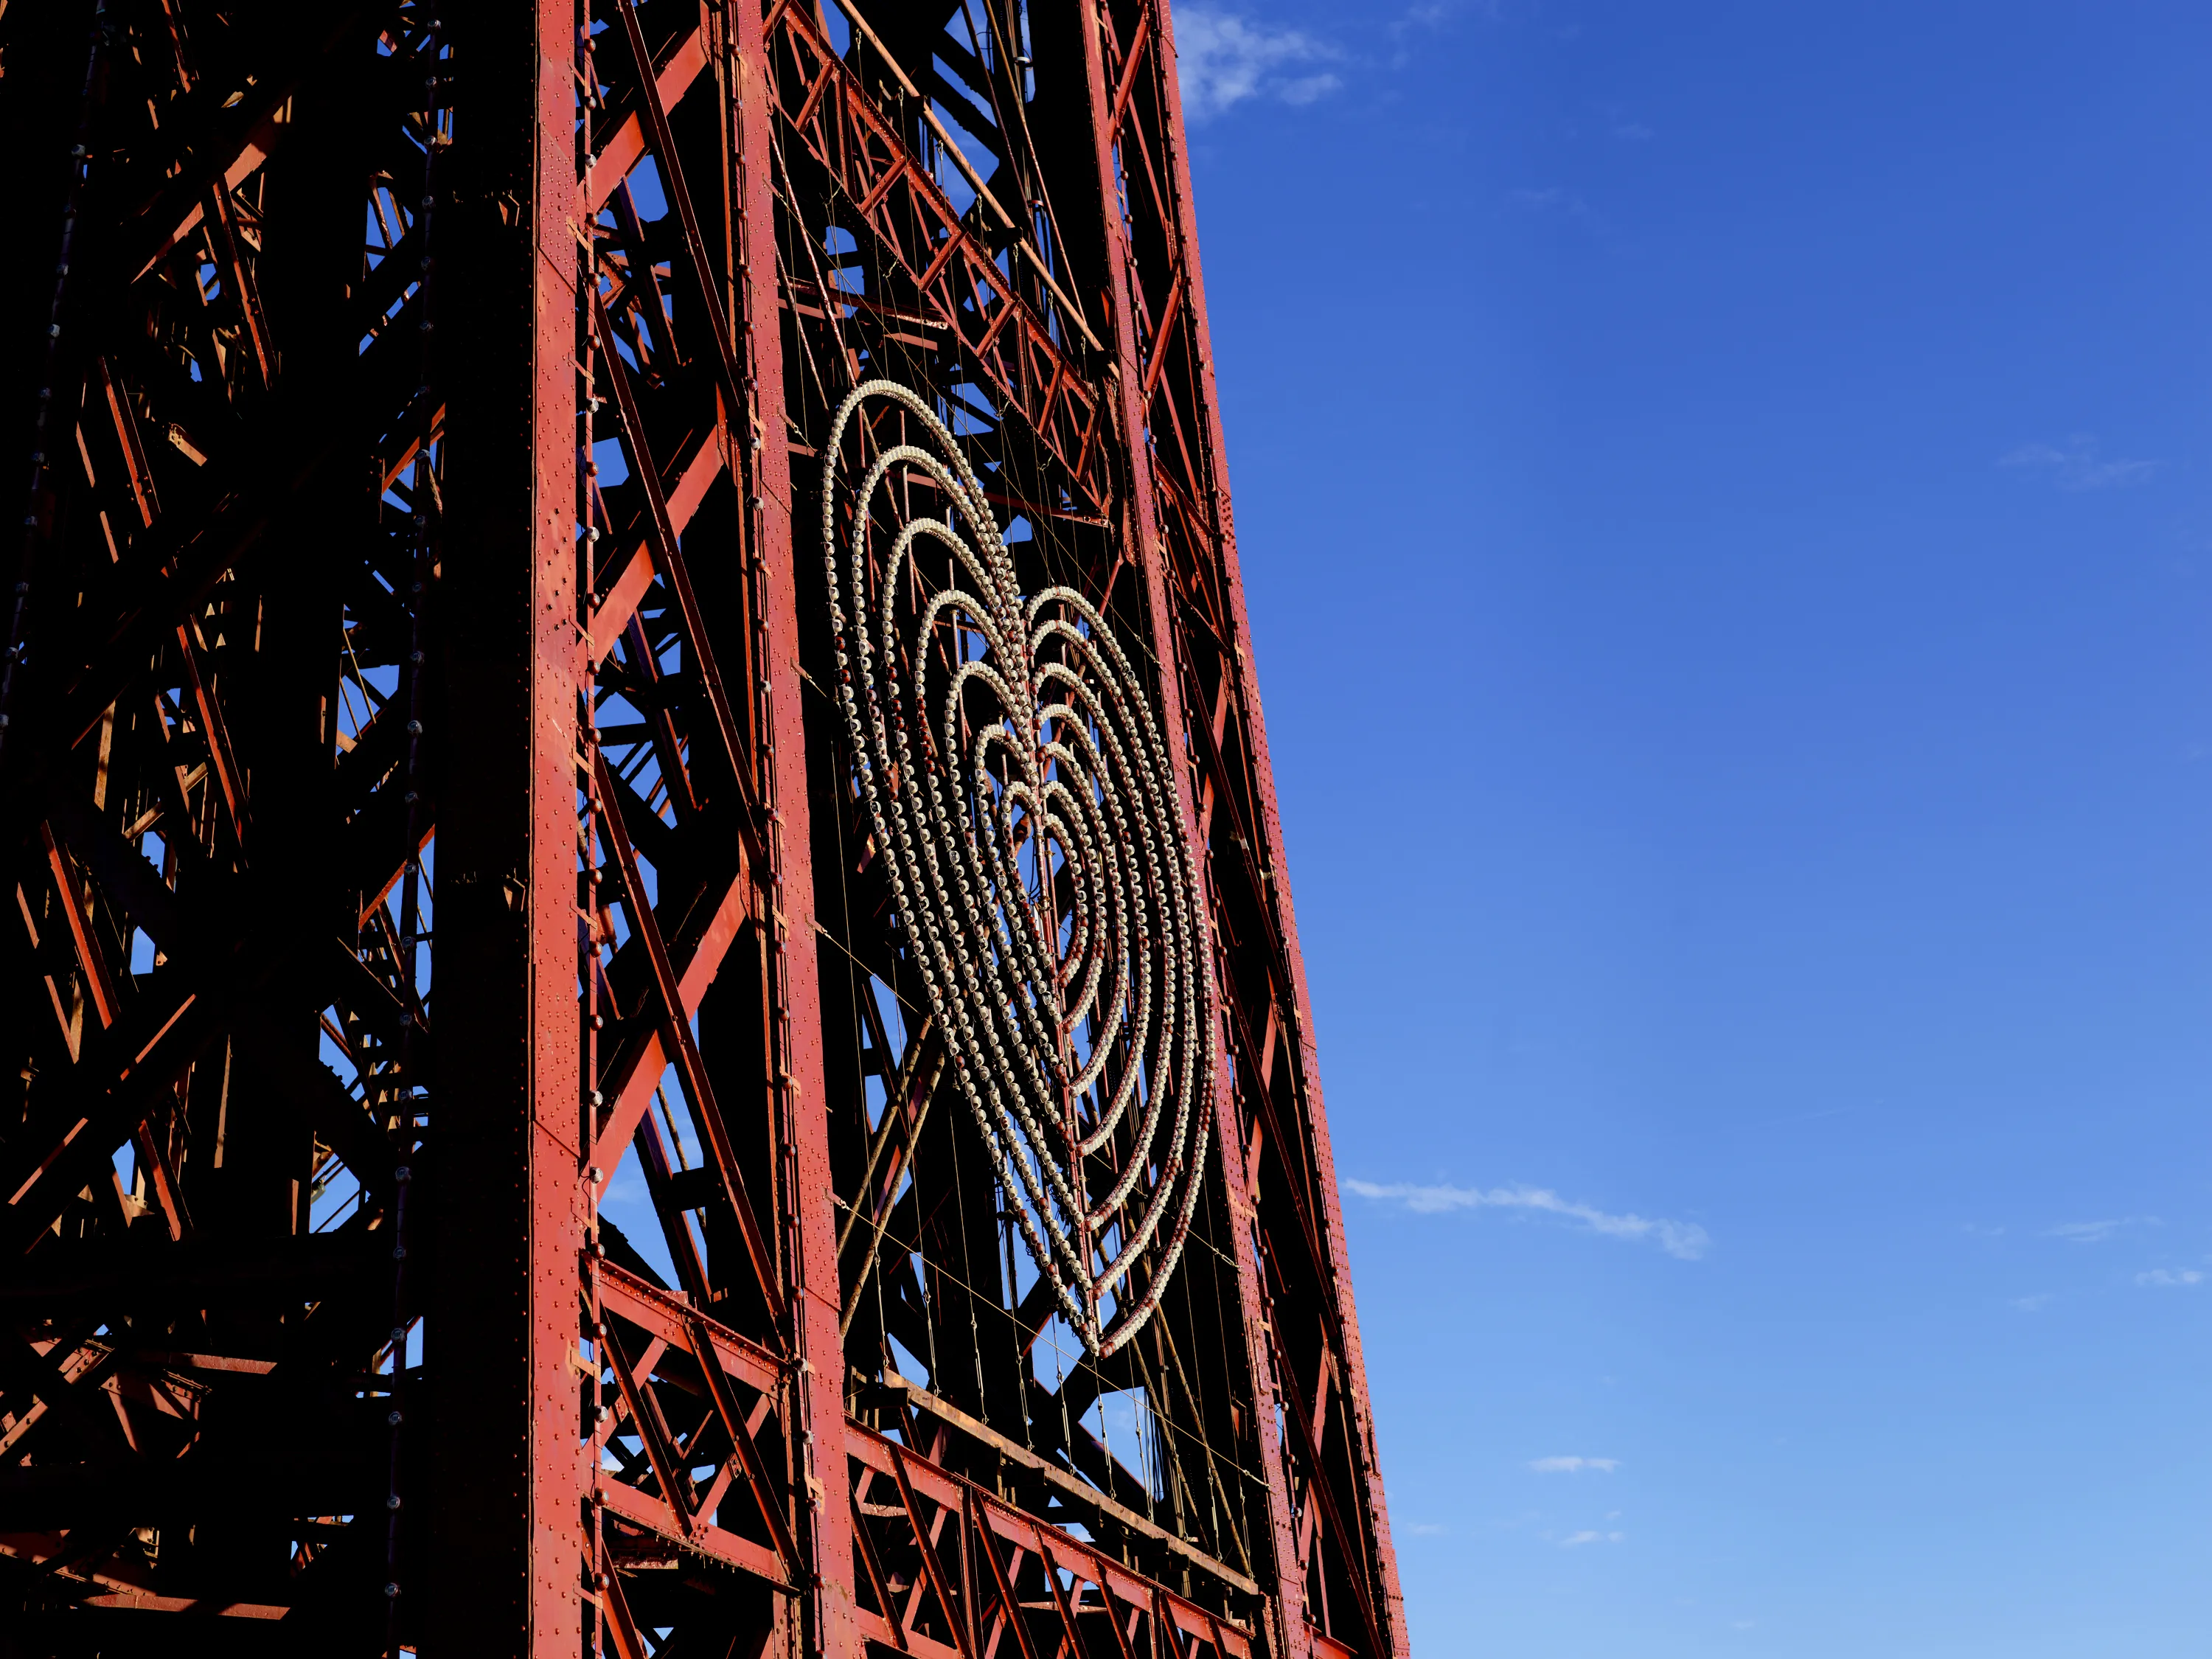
36	526
423	516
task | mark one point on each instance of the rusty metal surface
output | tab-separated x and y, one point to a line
430	812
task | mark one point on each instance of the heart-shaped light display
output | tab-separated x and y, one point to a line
1024	807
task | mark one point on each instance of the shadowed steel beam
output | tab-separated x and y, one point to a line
505	1204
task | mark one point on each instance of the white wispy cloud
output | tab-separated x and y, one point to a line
1222	60
2076	464
2031	1303
1428	1529
1625	126
1575	1541
1574	1465
1430	17
1685	1239
1441	13
2171	1277
2096	1232
1549	200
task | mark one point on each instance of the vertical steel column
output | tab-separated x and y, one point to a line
504	1206
1288	1591
812	1248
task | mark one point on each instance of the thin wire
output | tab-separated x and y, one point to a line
36	525
422	499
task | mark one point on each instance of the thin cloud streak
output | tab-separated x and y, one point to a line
2171	1278
1684	1240
2076	464
1574	1465
2096	1232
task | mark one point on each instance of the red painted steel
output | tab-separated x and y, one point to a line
798	1083
434	847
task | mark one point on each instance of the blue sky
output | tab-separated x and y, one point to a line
1723	497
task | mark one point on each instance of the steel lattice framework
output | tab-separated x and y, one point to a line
640	599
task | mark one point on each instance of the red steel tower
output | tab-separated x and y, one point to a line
650	1000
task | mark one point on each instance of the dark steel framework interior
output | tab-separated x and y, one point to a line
421	585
